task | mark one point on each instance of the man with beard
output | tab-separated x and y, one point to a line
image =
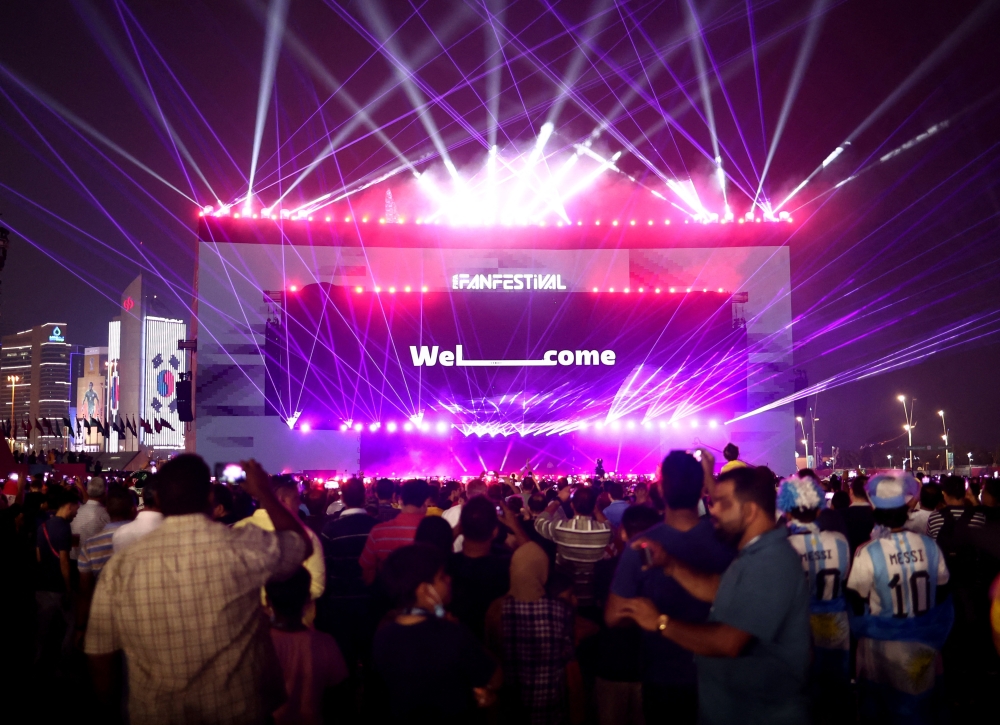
752	655
668	671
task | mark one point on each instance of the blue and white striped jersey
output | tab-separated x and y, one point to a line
899	574
826	560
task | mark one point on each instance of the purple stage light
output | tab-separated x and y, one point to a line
391	427
305	427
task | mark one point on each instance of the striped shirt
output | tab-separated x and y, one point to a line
95	551
89	520
386	538
936	519
580	539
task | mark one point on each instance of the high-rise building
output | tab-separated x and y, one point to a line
143	367
35	375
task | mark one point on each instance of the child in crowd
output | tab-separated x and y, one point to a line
310	660
431	668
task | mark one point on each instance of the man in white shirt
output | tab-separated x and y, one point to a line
476	487
92	517
146	522
931	500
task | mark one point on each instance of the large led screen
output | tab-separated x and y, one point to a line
493	360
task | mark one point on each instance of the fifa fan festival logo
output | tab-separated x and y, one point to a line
507	281
429	357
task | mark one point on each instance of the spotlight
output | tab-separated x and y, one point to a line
688	289
674	425
407	288
666	221
391	427
381	221
441	427
305	427
663	425
377	290
632	223
423	289
343	426
357	427
347	218
599	426
650	222
373	427
673	289
626	290
611	289
407	427
595	289
615	425
392	290
657	290
364	220
713	424
641	289
359	290
630	425
293	288
720	289
614	223
694	424
597	223
647	425
328	219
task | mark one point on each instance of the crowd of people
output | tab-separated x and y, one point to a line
729	597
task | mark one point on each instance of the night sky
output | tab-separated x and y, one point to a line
906	256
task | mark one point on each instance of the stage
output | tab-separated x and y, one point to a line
409	349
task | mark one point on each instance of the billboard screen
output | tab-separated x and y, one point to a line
491	356
162	365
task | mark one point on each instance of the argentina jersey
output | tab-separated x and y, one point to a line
899	574
826	559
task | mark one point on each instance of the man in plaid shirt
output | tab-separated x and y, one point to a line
183	604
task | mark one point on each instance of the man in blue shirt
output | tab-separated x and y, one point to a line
669	690
752	654
613	512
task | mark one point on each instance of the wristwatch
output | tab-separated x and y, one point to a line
662	626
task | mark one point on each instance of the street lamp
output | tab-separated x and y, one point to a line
944	437
970	461
889	456
908	417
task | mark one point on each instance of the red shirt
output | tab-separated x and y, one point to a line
385	538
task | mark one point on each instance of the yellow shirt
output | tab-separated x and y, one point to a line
315	564
730	465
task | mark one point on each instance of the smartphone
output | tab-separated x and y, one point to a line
647	556
233	473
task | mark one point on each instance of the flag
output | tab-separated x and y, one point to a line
130	424
38	427
58	430
156	425
48	426
79	428
85	422
145	425
67	423
165	424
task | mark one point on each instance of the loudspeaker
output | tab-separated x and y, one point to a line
184	411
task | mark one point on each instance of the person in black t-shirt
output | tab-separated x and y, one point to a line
859	516
479	575
431	670
52	582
